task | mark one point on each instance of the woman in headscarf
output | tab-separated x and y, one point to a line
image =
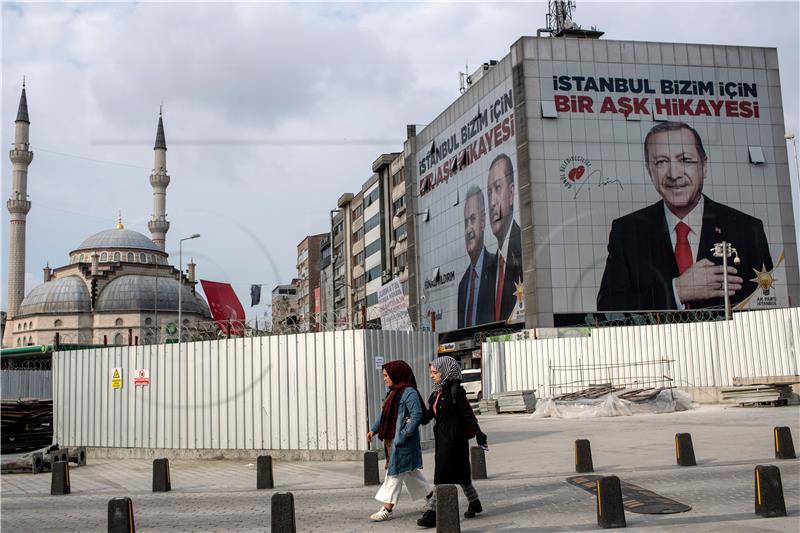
397	426
455	425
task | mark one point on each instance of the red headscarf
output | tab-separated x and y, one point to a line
402	377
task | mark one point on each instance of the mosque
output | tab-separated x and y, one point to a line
117	287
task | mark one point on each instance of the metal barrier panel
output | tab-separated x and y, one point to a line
16	384
307	391
701	354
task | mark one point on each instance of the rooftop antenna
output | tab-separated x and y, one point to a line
560	22
464	79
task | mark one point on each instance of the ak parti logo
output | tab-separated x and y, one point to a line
573	169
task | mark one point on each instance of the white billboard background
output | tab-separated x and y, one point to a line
443	256
579	208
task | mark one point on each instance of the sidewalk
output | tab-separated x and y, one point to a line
528	463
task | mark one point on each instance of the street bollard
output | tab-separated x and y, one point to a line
371	475
447	516
583	456
478	462
120	516
610	511
59	482
282	519
264	472
78	456
37	463
784	447
161	478
684	451
769	492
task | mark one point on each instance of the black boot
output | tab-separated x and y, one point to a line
428	519
473	509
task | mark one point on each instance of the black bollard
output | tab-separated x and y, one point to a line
371	476
447	516
120	516
769	492
78	456
583	456
59	482
610	511
64	453
161	479
283	513
784	447
684	451
37	463
264	472
478	462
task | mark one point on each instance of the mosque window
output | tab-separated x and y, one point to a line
57	323
118	339
24	325
19	342
117	257
148	321
19	327
80	259
118	322
130	257
142	258
104	257
152	258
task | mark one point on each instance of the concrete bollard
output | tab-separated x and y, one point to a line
161	478
478	462
64	454
282	518
784	447
583	456
59	482
371	475
684	451
447	516
264	478
769	492
120	516
37	463
78	456
610	511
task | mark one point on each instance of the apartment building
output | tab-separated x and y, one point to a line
308	272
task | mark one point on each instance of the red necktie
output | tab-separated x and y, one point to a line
683	252
498	297
471	296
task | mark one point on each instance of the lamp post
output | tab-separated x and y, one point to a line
789	136
180	287
725	250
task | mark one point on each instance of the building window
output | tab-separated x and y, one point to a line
358	234
397	178
360	281
118	322
152	259
358	211
19	342
142	258
372	197
104	257
400	261
337	229
359	259
371	223
399	232
372	247
117	257
80	259
148	321
372	299
118	339
25	326
400	202
57	323
373	273
130	257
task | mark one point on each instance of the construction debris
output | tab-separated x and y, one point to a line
488	407
516	401
25	425
640	401
758	395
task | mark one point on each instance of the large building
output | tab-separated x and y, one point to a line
117	286
578	180
308	272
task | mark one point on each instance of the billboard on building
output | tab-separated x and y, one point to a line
470	243
647	166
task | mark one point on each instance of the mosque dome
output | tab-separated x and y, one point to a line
65	295
119	238
135	292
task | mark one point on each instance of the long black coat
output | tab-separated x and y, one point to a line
454	419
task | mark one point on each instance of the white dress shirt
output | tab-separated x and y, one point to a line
695	222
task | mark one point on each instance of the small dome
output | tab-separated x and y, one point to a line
65	295
138	293
118	238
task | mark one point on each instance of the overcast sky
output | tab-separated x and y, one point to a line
271	111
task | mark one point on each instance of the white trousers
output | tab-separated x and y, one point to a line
416	484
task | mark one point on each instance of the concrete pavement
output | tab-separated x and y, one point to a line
526	490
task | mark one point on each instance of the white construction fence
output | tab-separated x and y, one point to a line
696	356
305	392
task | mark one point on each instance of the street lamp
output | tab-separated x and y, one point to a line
789	136
725	250
180	286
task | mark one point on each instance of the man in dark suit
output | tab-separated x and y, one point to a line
660	257
509	240
476	289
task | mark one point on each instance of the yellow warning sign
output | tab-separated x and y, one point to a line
116	378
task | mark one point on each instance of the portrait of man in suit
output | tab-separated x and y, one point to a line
476	289
500	191
660	257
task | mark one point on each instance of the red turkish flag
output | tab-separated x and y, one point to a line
226	309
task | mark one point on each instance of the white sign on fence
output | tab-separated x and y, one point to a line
393	308
141	376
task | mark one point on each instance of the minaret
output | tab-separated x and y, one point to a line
159	179
18	206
